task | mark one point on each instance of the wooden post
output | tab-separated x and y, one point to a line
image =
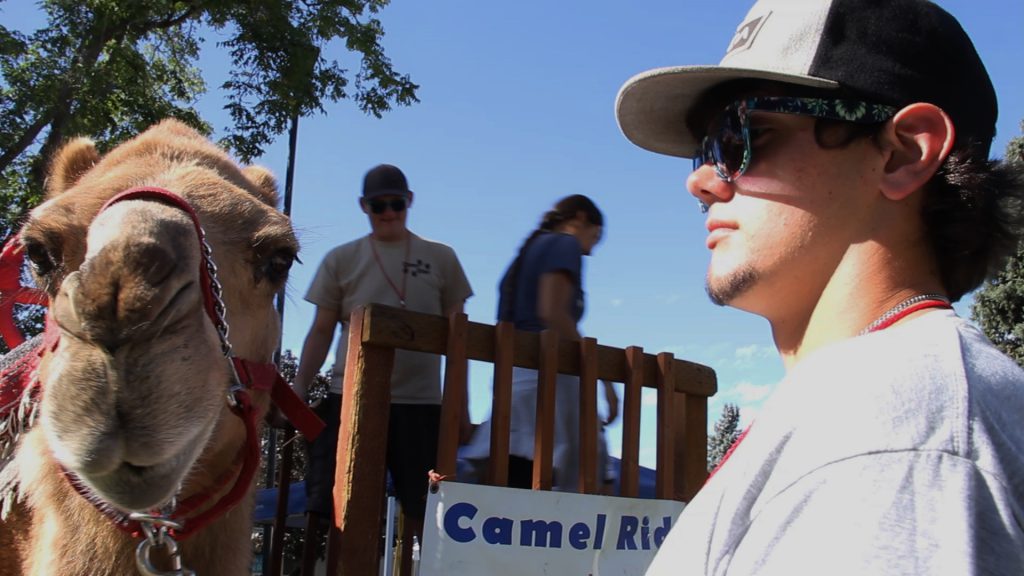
588	416
691	448
630	473
501	403
365	409
544	435
455	395
664	485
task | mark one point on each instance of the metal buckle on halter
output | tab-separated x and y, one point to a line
236	386
156	527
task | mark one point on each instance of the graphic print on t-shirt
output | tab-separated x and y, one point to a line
415	268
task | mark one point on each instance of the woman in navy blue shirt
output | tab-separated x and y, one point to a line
543	288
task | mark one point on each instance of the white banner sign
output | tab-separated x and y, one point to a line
474	529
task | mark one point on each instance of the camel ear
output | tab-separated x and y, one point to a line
72	161
266	184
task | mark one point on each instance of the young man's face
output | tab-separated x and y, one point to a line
778	232
387	216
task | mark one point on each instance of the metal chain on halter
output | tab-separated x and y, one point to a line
155	527
223	330
218	295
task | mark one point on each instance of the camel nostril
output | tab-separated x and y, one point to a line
155	263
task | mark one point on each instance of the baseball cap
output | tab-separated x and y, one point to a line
893	52
385	180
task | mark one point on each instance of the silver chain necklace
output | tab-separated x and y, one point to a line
900	308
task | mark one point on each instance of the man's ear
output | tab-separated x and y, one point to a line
409	199
920	136
363	206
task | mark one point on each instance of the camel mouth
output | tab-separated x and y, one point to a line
134	488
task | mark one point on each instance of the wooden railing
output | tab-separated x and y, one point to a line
376	331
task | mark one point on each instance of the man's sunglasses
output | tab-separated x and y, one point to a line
727	144
379	206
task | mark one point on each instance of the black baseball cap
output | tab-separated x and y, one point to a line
385	180
894	52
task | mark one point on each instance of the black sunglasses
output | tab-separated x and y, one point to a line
379	206
727	148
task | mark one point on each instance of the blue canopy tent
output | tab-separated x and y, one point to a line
266	499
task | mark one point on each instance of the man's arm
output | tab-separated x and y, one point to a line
315	348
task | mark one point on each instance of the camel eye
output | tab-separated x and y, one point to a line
276	265
39	258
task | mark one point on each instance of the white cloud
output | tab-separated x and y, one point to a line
616	302
752	353
749	393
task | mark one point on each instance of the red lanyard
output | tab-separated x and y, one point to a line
399	293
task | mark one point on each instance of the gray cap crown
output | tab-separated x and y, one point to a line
891	51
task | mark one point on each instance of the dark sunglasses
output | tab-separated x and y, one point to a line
727	144
379	206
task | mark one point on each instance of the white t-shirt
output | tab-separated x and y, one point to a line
433	281
899	452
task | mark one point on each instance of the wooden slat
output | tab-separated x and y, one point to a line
362	449
630	473
453	404
406	330
691	444
501	404
664	483
543	439
588	416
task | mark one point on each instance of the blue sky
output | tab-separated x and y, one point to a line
516	111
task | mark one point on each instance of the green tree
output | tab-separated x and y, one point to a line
108	68
727	431
999	304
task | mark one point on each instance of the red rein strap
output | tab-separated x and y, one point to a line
13	292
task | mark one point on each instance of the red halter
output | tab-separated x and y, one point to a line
249	375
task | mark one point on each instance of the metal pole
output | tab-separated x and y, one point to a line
273	540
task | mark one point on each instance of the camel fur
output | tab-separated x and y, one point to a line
133	396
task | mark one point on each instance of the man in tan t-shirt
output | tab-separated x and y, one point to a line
389	266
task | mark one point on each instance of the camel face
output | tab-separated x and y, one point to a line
134	392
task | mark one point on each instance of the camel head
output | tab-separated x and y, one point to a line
134	387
